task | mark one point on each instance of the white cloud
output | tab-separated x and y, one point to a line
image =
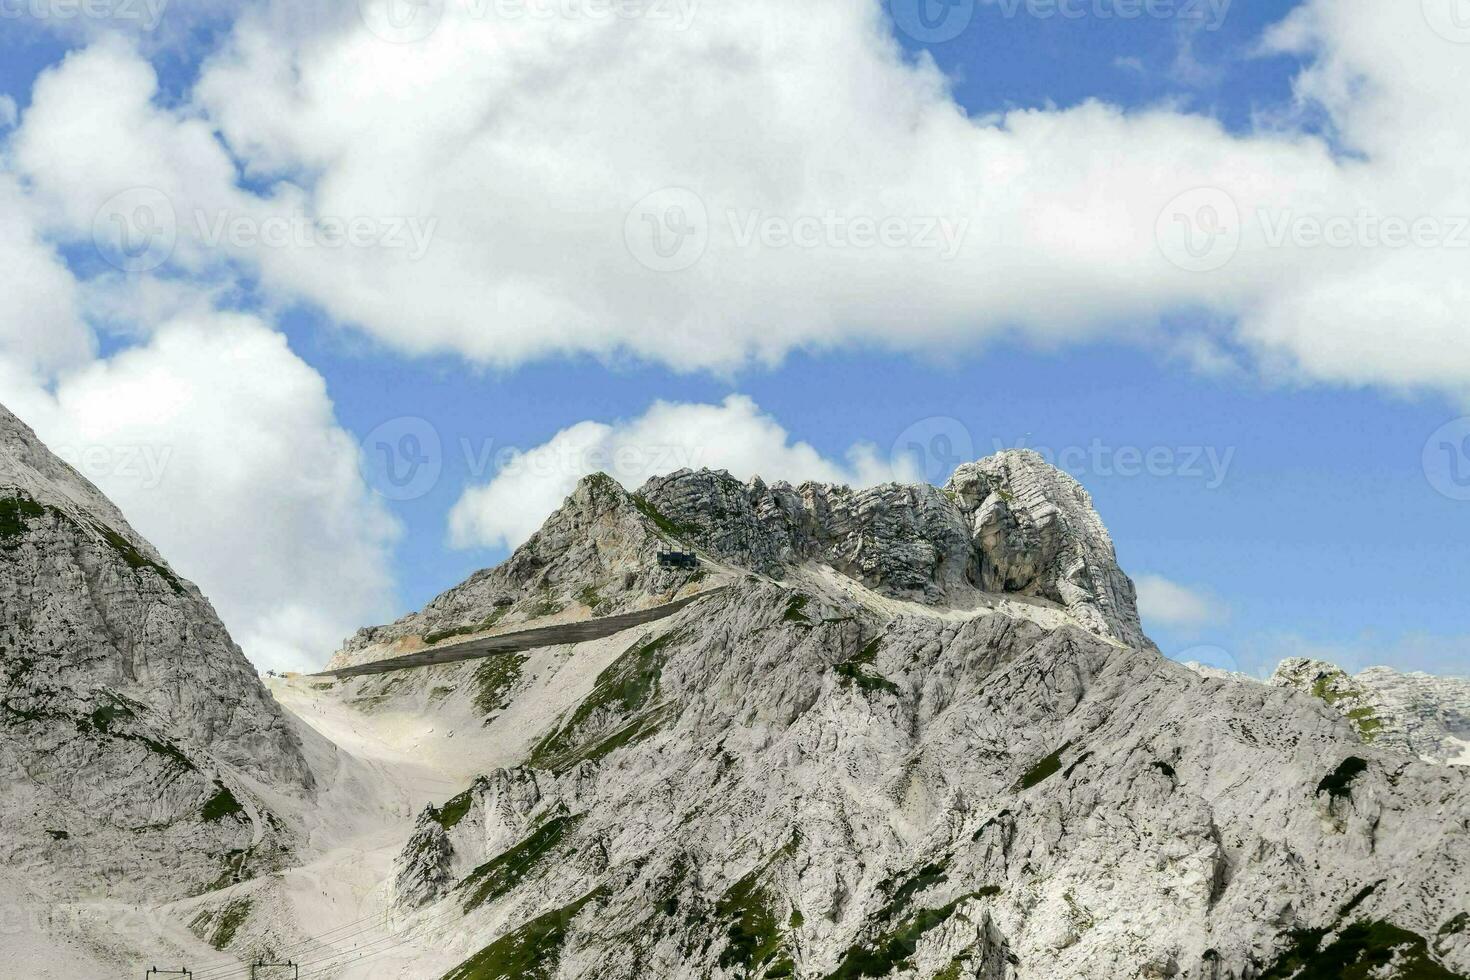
40	305
1170	604
530	140
734	435
220	446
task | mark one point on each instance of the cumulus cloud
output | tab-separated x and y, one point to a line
221	447
1166	603
734	435
41	306
727	186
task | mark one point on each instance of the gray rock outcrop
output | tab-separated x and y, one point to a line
132	729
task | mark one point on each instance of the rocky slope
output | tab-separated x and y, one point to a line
133	732
1421	714
859	761
778	787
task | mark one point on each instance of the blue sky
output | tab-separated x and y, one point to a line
1292	499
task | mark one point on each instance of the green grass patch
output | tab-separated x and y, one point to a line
1043	770
135	559
904	892
531	952
1339	782
16	514
1366	721
497	877
1362	951
629	685
670	527
494	679
591	597
754	935
856	671
795	610
547	605
219	928
893	949
952	971
450	814
489	622
221	805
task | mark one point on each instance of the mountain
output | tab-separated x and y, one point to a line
917	733
907	732
134	734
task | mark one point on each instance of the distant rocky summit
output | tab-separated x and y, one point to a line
1421	714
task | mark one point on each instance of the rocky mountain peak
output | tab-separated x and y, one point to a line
131	722
1009	524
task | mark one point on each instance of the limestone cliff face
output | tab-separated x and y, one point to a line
131	727
1010	524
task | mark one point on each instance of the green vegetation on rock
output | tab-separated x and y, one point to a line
629	686
893	949
221	805
531	952
795	610
664	524
856	672
218	928
16	513
754	933
494	679
489	622
495	878
451	813
1361	951
1044	769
